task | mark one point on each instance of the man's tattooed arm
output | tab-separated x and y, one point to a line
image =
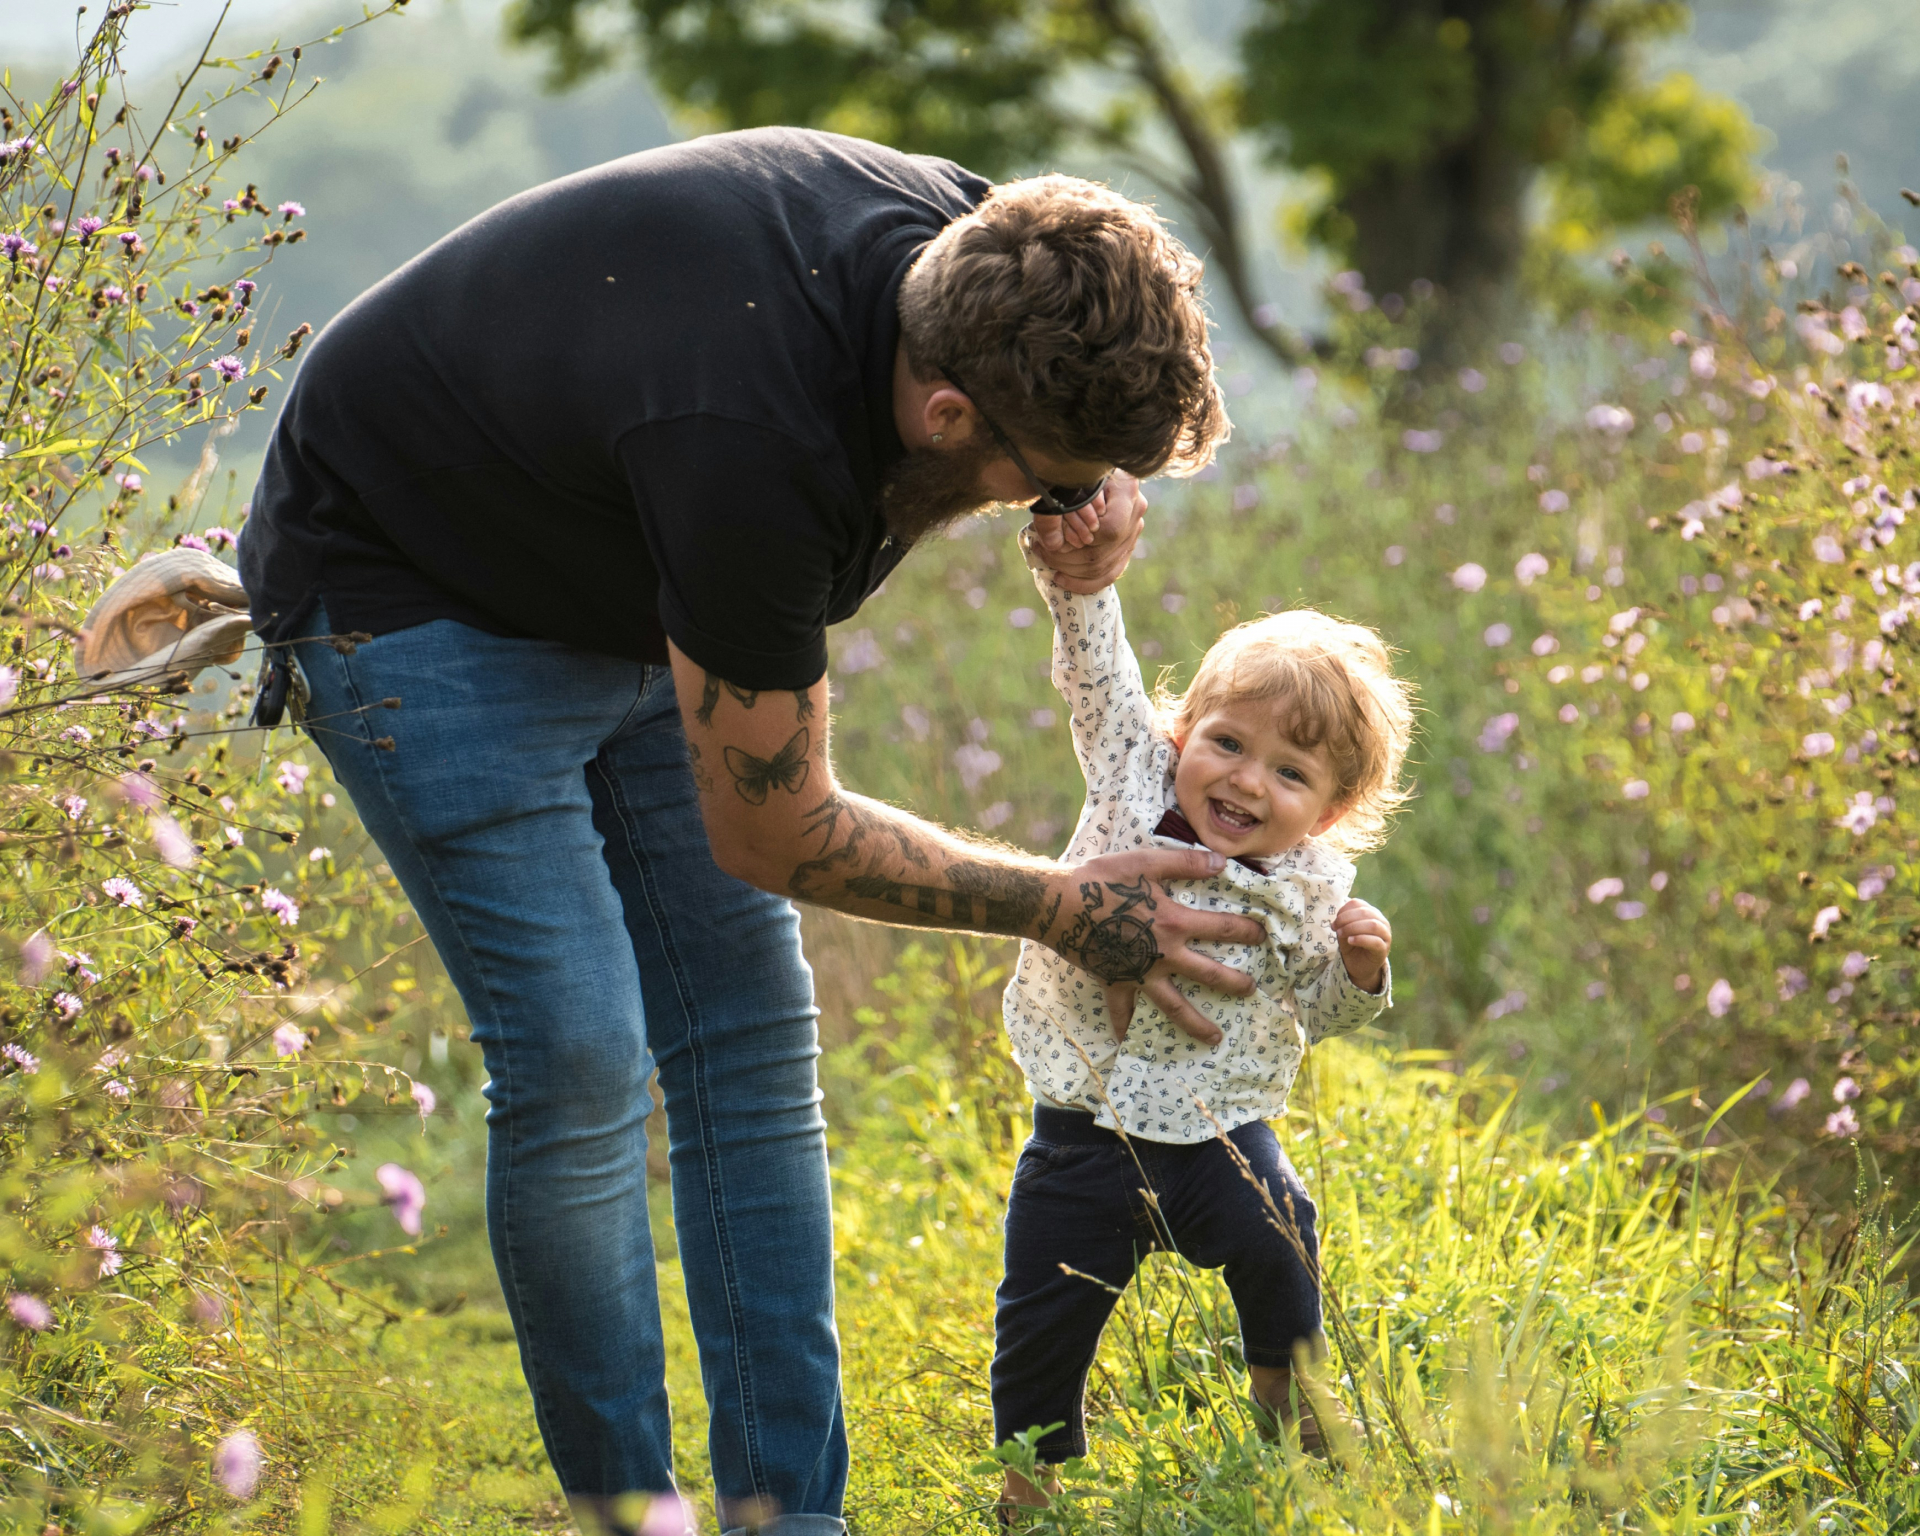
775	818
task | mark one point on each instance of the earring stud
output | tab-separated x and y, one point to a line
938	436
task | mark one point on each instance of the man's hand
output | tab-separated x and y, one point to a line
1087	550
1365	936
1121	924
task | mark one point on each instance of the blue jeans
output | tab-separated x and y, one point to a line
537	808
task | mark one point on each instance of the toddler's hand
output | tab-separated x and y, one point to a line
1365	936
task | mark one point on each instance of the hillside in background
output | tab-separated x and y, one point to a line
429	118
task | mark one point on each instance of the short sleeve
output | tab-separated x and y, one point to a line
752	535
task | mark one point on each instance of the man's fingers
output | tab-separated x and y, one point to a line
1209	973
1219	928
1165	864
1182	1012
1120	1007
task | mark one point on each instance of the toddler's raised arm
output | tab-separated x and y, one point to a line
1096	673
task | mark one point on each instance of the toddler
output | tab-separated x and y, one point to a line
1284	755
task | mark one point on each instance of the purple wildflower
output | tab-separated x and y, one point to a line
667	1515
140	790
36	958
289	1040
122	890
1720	998
170	841
193	541
1604	890
30	1312
109	1248
1494	734
425	1098
403	1192
223	538
17	248
67	1006
21	1057
236	1463
291	210
88	227
1843	1122
1469	577
230	368
292	777
1792	980
278	904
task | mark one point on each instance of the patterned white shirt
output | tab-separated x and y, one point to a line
1055	1012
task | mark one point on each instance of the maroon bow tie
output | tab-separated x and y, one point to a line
1177	827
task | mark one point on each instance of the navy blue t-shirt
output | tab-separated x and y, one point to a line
652	399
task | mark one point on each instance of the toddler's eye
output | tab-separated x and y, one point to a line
1227	743
1294	774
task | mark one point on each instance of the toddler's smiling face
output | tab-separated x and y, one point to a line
1247	788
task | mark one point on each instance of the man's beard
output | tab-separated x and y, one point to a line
929	489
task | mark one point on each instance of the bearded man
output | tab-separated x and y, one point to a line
596	472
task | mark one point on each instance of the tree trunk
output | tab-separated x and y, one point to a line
1455	220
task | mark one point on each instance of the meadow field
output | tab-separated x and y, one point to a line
1617	1198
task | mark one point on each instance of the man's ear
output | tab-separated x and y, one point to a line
948	415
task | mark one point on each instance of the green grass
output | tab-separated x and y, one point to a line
1612	1332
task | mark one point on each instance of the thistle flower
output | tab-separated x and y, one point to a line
123	891
1859	817
230	369
1843	1122
280	905
109	1249
289	1040
1493	735
67	1006
237	1461
22	1058
292	777
404	1194
425	1098
1720	998
30	1312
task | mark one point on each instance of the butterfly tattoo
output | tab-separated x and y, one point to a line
787	768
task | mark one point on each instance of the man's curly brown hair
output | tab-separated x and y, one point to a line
1074	319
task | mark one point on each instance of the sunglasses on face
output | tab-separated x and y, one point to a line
1053	500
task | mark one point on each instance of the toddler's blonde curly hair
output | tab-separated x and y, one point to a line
1330	681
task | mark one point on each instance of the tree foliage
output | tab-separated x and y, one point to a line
1424	124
